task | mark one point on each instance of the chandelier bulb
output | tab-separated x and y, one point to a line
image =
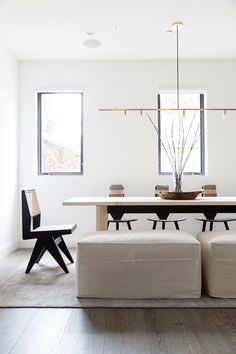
224	114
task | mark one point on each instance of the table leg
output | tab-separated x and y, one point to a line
101	217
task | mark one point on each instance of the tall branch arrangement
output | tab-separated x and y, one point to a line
175	145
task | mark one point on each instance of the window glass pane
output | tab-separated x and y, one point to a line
61	132
179	132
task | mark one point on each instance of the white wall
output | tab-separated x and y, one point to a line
9	190
118	150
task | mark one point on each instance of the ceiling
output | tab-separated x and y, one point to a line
127	29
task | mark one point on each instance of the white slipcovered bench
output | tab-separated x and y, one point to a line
138	264
219	263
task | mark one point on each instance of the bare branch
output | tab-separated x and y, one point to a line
189	129
173	144
186	139
163	145
169	147
195	139
176	155
182	143
179	139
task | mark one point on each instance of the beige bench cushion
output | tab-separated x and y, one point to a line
219	263
138	264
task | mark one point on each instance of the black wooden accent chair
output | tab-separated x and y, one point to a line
117	190
209	190
163	220
48	237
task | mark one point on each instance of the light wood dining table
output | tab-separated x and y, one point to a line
209	206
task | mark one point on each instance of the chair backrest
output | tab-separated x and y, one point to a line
117	190
209	190
30	212
162	188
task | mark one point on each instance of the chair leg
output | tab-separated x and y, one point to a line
129	225
176	225
64	249
108	223
163	226
117	226
154	225
226	225
41	255
37	251
211	225
203	226
53	250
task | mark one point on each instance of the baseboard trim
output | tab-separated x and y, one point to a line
27	243
9	248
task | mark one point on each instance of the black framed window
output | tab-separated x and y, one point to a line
168	131
60	133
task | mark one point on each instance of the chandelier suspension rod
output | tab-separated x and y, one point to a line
177	63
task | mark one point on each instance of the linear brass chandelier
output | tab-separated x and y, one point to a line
175	26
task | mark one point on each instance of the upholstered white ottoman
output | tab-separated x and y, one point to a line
138	264
219	263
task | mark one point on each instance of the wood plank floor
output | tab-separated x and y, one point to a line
132	331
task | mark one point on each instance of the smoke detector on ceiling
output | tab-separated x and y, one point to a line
91	42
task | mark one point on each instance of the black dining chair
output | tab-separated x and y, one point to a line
48	238
209	190
117	190
163	221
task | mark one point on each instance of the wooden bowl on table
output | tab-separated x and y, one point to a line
179	195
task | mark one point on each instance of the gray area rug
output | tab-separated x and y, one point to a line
48	286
